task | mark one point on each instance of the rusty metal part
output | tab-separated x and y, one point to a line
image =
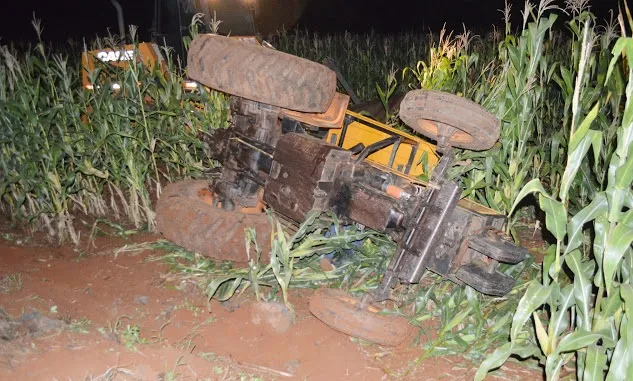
477	248
434	114
396	192
245	150
496	245
422	240
374	209
185	215
260	74
302	175
332	118
344	313
485	278
309	174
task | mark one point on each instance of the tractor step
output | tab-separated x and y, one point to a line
492	243
476	276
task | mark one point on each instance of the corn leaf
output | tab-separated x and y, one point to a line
533	186
583	129
617	244
535	295
555	216
624	174
595	364
576	158
495	360
620	360
582	287
543	339
560	318
577	340
598	206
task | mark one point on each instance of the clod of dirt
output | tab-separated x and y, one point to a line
166	313
273	315
31	323
326	264
141	299
9	328
232	304
38	323
292	366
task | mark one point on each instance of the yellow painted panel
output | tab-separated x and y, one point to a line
367	131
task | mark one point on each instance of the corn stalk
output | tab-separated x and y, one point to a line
582	307
68	153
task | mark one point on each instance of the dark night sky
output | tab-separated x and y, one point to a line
63	19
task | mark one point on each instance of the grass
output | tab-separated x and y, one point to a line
171	374
81	325
208	356
186	343
111	374
128	335
10	283
224	369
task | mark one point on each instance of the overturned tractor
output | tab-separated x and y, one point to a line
294	147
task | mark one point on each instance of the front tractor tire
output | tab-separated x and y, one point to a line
187	216
344	313
439	115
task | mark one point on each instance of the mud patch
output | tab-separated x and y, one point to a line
123	322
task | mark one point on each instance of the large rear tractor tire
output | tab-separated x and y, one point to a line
462	123
343	313
186	216
260	74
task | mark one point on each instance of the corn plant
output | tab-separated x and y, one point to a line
591	66
68	153
582	307
514	87
293	260
450	63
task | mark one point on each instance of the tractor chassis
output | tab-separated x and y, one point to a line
298	172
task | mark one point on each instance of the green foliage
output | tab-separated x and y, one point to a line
293	260
364	60
583	304
67	151
131	337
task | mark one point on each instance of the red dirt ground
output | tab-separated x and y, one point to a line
184	336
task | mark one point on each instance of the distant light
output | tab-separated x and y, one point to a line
191	85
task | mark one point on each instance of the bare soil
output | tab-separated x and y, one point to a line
126	318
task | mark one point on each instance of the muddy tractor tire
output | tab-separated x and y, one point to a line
260	74
433	113
342	312
185	215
